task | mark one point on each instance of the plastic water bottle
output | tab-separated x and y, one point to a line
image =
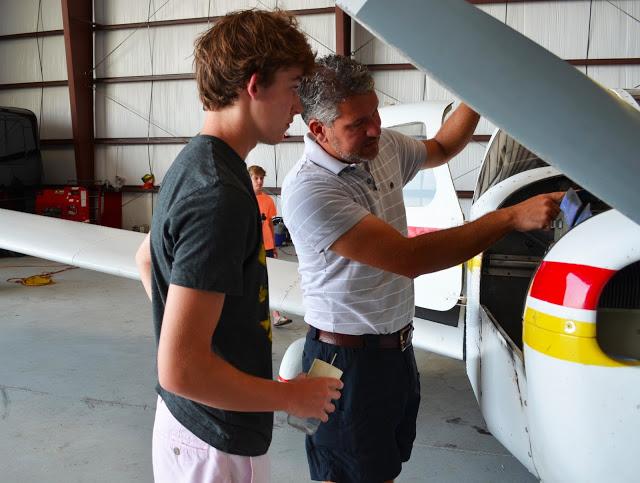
318	368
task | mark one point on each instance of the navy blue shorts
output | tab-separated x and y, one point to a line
371	433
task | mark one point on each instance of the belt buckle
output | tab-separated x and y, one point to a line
406	336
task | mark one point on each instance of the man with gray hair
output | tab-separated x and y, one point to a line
343	205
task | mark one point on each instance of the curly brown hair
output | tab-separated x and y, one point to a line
243	43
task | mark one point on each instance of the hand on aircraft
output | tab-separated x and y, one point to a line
537	212
310	397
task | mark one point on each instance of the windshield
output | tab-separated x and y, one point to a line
635	93
505	157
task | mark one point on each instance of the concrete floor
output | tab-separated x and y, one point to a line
77	401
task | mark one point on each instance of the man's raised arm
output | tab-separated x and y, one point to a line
452	137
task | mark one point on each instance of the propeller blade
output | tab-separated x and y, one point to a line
539	99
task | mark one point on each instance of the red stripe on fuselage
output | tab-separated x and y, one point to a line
569	284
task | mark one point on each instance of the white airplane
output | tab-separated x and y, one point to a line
549	333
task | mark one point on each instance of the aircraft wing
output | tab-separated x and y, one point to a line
284	286
112	251
83	245
542	101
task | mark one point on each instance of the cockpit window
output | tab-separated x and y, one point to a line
421	190
505	157
413	129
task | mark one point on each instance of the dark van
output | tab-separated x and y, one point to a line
20	159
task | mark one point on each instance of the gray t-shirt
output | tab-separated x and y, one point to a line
322	199
207	235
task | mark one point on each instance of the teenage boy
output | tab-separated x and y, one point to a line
204	263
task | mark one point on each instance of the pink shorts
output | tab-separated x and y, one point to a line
180	456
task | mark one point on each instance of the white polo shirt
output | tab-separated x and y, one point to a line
322	199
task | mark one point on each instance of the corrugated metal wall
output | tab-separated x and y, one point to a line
36	60
571	29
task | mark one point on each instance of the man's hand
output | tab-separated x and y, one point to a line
537	212
310	397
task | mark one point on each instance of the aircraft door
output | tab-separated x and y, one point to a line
432	204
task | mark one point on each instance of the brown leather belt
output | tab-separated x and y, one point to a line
398	340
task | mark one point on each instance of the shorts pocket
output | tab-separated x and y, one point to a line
187	439
169	431
338	433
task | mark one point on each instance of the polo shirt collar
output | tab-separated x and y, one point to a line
319	156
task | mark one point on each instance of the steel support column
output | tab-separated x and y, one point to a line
343	33
77	18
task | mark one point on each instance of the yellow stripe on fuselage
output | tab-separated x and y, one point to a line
475	262
559	324
569	340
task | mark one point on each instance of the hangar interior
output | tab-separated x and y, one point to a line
77	376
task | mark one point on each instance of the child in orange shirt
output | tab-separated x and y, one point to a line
267	211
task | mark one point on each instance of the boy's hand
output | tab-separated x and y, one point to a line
310	397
